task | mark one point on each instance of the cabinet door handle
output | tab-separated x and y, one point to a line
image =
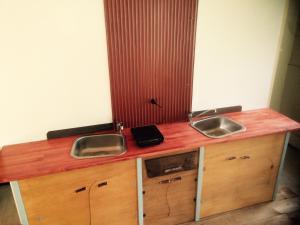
102	184
245	157
170	180
80	189
174	169
231	158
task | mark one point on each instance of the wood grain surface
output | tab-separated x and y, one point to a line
114	199
51	156
170	203
246	171
151	48
75	197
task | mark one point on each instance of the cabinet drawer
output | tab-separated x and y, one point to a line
171	164
169	186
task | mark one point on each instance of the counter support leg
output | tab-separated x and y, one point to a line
281	166
19	202
199	183
140	191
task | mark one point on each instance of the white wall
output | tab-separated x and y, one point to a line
54	72
53	67
236	52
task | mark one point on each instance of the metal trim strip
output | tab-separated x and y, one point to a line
281	167
199	183
19	202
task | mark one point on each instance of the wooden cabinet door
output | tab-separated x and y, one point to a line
74	197
169	200
240	173
114	199
60	199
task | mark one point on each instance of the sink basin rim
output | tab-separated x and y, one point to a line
73	149
243	128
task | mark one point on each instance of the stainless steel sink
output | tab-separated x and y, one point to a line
102	145
218	126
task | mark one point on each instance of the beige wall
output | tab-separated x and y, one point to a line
290	101
53	61
236	52
287	37
53	67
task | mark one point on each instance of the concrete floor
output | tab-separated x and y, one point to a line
8	211
284	211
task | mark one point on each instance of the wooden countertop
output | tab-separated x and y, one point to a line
39	158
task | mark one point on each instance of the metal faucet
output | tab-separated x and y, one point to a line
119	127
191	116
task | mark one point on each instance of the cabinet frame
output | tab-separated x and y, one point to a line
23	215
27	200
139	168
284	145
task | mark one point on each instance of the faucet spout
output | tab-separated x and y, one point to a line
119	127
201	113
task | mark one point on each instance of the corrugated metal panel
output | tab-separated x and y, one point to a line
151	55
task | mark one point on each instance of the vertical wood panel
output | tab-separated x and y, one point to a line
151	55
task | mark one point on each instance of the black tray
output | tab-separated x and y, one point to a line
147	135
